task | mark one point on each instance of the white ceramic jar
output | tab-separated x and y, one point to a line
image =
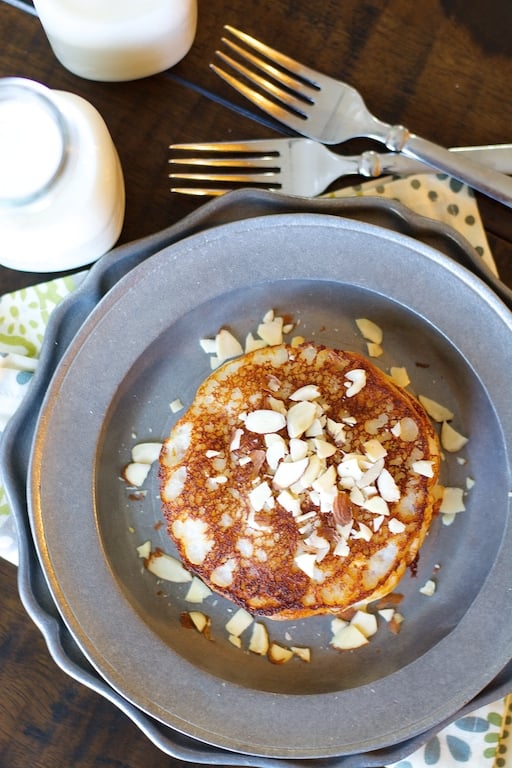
115	40
62	194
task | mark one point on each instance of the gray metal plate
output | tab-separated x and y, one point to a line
139	350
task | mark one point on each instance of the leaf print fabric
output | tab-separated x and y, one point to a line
24	315
479	740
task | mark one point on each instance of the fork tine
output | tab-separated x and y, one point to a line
239	178
227	162
279	113
292	83
261	156
255	146
311	76
284	97
200	191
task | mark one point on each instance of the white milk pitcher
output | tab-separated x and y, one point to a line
62	196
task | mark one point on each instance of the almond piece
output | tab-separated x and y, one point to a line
428	588
308	392
395	525
144	550
264	421
299	449
374	449
300	417
451	440
435	410
288	472
338	623
323	448
348	637
235	440
306	562
365	623
326	482
259	642
259	495
251	344
356	381
289	502
136	473
370	330
303	653
390	601
314	469
453	501
227	346
395	625
275	452
271	331
341	549
363	533
423	467
208	345
374	350
166	567
200	621
239	622
377	505
146	453
342	509
198	591
399	376
388	489
278	654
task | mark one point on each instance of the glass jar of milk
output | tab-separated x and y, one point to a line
115	40
61	185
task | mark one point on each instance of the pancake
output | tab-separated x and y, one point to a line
300	481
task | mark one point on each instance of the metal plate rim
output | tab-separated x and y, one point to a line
257	225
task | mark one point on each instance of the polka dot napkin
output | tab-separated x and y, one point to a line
436	196
479	740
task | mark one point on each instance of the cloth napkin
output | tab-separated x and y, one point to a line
479	740
23	318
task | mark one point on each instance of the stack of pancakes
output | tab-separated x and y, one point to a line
302	480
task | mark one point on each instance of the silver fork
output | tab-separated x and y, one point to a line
330	111
299	166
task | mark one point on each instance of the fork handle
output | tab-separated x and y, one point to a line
486	180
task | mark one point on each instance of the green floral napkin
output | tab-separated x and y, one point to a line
478	740
23	318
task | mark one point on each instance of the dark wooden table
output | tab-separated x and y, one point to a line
443	68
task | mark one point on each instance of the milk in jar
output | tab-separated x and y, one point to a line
116	40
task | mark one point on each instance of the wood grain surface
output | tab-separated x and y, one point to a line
443	68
